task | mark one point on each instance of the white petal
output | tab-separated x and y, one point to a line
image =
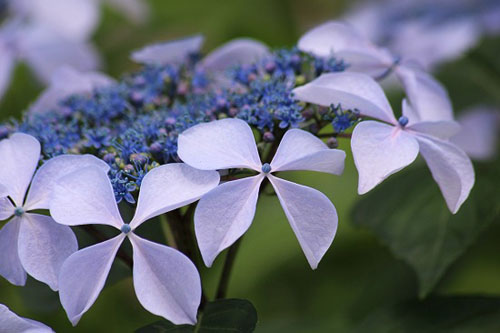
426	95
351	90
10	265
135	10
10	322
171	186
300	150
451	168
85	197
74	19
479	134
7	63
166	282
46	52
83	276
440	129
312	217
241	51
65	82
43	247
6	208
20	154
220	144
379	150
55	168
170	52
224	214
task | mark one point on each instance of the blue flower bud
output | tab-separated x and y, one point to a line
266	168
403	121
19	211
126	228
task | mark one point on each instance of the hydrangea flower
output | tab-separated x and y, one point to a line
166	282
383	148
31	242
225	213
342	40
65	82
10	322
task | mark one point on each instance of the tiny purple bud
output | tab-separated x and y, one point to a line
266	168
125	228
332	142
268	137
403	121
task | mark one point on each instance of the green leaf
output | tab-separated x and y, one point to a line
437	314
227	315
408	214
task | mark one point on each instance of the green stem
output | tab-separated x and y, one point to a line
168	232
226	270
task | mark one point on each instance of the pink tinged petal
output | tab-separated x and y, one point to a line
312	217
7	63
241	51
43	247
67	81
451	168
171	186
45	178
439	129
224	214
10	322
380	150
20	154
220	144
174	51
166	282
351	90
427	97
6	208
300	150
10	265
85	197
479	134
83	276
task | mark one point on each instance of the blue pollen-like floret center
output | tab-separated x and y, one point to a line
266	168
403	121
19	211
126	228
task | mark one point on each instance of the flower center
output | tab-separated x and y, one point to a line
403	121
266	168
126	228
19	211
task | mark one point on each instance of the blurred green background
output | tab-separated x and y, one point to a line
358	275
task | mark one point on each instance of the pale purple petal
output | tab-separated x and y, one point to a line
379	150
220	144
351	90
7	63
300	150
224	214
55	168
12	323
241	51
46	52
171	186
65	82
479	134
451	168
166	282
85	197
83	276
312	217
439	129
20	154
427	97
135	10
10	265
169	52
43	247
6	208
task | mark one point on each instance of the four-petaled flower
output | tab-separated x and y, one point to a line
381	149
30	242
226	212
165	280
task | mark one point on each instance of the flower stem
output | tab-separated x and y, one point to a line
226	270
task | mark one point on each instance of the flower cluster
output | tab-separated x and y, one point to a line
161	138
